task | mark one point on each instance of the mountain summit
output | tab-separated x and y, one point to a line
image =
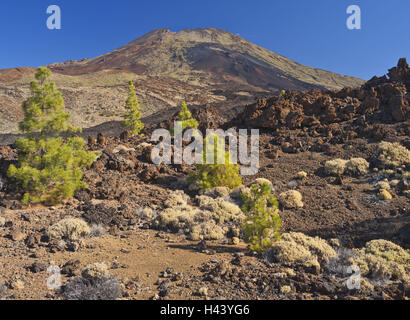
216	56
200	66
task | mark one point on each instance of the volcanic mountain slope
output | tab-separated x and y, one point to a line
201	66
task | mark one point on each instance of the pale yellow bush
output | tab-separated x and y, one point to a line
177	218
335	243
68	229
285	289
357	166
218	192
366	287
388	251
385	259
146	213
298	249
383	185
335	167
384	195
393	155
291	199
221	209
207	231
211	219
290	254
301	175
176	198
261	181
317	246
96	271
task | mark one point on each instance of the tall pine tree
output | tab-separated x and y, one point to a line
50	167
133	115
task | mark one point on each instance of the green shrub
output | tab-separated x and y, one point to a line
216	174
262	222
50	167
133	115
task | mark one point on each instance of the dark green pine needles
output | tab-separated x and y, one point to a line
133	114
49	167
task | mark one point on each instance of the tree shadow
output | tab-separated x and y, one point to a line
395	229
209	247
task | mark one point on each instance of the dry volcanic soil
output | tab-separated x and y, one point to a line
337	161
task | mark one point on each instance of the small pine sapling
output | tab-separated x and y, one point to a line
262	223
185	117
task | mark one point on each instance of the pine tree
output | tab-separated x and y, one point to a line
185	117
50	167
133	115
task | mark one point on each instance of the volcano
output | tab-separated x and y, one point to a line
200	66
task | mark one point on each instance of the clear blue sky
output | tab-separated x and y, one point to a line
311	32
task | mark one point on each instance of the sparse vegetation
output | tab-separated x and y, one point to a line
84	289
133	114
163	244
222	210
383	259
211	219
50	168
96	283
354	166
262	222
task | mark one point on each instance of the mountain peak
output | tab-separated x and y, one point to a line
206	35
212	55
151	36
201	66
